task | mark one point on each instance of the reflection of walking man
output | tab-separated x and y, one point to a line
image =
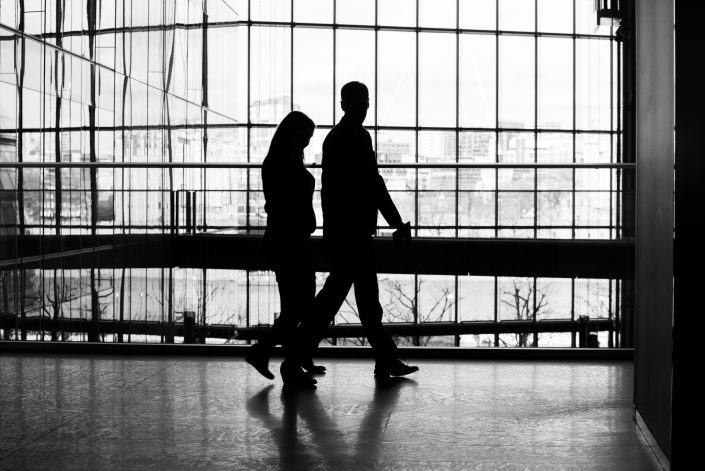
352	191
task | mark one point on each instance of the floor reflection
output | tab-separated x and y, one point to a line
331	449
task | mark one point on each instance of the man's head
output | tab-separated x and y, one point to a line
355	100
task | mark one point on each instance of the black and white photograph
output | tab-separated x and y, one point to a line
349	234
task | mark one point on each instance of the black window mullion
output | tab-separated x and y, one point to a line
291	62
574	124
497	134
335	57
416	131
572	310
612	222
249	132
536	113
457	134
376	127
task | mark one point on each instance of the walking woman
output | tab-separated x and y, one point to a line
288	193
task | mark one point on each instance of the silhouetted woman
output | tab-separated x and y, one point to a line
288	193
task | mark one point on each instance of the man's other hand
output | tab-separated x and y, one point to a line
402	236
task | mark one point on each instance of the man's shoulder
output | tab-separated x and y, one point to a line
348	134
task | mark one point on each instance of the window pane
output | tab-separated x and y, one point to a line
436	179
593	84
436	146
355	12
355	60
396	12
587	179
259	143
313	154
555	147
405	202
477	147
555	178
437	100
516	15
554	297
270	74
592	147
437	209
592	208
436	298
555	16
478	14
477	179
270	10
515	298
476	208
227	79
397	295
226	301
516	208
516	82
592	298
264	297
586	19
516	147
397	78
555	83
516	178
313	73
477	81
555	208
396	146
437	13
313	11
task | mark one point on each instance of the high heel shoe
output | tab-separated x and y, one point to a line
259	360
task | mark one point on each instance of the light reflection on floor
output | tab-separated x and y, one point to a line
73	412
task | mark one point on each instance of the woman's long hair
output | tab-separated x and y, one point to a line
293	124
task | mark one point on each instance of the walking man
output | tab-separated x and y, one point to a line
352	191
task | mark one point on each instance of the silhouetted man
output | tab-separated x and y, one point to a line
352	191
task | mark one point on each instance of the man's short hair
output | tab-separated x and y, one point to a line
353	91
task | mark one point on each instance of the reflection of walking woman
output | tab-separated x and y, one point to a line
288	192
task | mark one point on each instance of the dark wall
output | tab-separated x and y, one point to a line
689	253
654	31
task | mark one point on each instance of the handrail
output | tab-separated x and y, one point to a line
250	165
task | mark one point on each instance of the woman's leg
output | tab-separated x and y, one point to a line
297	288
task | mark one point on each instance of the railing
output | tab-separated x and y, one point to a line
186	279
537	200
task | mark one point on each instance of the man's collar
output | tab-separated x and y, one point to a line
348	121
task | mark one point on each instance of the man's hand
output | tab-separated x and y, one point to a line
402	236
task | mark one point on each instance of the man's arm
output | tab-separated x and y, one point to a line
385	204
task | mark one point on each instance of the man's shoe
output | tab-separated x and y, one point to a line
259	361
311	368
294	376
393	368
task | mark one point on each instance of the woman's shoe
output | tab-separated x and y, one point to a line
259	361
294	376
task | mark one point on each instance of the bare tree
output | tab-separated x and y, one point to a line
525	302
403	305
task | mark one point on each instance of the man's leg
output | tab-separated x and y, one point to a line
367	298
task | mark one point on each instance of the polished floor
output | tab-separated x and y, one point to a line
173	413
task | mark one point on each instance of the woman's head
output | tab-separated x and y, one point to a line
292	135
